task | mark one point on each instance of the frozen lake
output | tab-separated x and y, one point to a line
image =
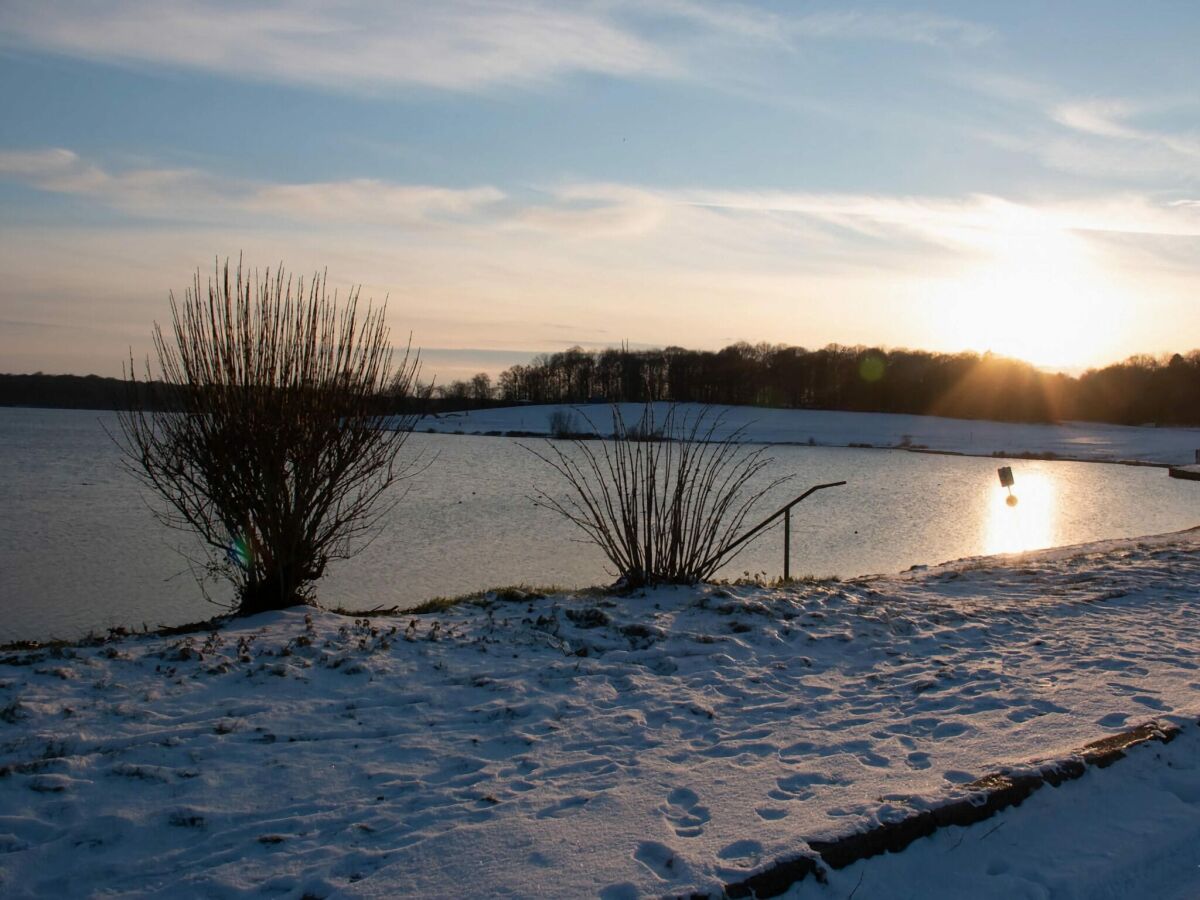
80	550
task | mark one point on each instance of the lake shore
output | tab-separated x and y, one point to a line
669	741
1077	441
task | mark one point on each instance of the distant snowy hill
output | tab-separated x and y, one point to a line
1069	440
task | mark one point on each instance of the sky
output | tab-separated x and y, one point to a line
520	177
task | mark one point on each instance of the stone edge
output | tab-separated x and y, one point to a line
987	796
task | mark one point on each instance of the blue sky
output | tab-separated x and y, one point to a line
518	177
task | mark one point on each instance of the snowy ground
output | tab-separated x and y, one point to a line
1070	440
1132	830
615	746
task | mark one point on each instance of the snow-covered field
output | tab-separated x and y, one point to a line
593	745
1070	440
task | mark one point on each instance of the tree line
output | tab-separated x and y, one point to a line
100	392
1143	389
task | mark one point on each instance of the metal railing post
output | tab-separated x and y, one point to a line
786	512
787	544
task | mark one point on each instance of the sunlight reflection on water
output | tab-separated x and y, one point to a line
1030	524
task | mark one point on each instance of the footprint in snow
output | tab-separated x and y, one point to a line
1152	702
684	812
658	858
1023	714
918	760
562	807
744	853
798	786
771	813
1121	687
949	730
623	891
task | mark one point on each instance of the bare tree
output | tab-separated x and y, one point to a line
272	440
664	500
481	387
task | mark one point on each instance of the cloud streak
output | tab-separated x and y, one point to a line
595	211
913	28
583	210
190	194
1126	146
456	45
350	46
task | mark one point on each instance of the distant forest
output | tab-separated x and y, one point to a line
1140	390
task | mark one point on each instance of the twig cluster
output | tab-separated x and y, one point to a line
663	500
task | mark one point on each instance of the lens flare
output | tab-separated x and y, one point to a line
240	553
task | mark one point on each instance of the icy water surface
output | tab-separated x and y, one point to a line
80	550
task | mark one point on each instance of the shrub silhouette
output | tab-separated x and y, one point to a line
564	424
664	500
274	446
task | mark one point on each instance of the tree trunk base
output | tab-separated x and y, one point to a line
269	594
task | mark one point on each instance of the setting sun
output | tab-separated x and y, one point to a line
1041	296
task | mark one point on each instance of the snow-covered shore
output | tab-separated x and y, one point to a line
1131	830
1069	440
579	745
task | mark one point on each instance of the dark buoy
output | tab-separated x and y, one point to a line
1006	480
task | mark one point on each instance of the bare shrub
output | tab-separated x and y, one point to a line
270	438
564	424
647	429
665	500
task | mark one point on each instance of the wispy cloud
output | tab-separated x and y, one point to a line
838	23
1097	117
963	220
352	45
908	27
971	221
594	211
370	201
190	194
1126	146
1099	138
461	45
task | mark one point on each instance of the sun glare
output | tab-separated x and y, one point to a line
1030	524
1040	297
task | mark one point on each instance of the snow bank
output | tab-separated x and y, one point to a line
1132	830
578	745
1069	440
